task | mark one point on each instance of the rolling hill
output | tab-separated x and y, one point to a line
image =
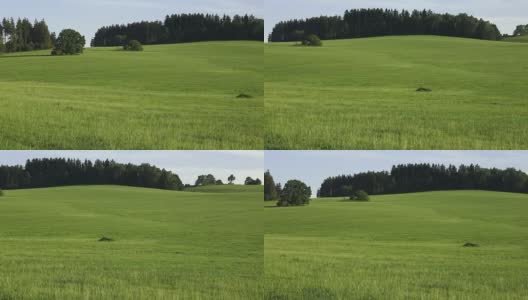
181	96
167	245
362	94
407	246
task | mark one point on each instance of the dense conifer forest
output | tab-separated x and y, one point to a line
358	23
412	178
53	172
181	28
23	35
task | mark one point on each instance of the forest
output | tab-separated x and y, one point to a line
22	35
410	178
181	28
358	23
38	173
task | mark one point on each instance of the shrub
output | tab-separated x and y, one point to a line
312	40
359	195
295	193
1	193
133	45
69	42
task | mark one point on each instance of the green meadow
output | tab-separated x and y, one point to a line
167	244
407	246
361	94
181	96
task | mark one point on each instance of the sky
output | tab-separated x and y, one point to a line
86	16
506	14
187	164
312	167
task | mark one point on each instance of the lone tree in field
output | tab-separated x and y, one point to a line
231	178
295	193
133	45
521	30
69	42
270	190
312	40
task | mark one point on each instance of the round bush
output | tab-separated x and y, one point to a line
312	40
360	195
133	45
295	193
69	42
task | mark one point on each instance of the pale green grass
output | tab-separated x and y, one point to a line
181	96
226	188
361	94
405	246
168	245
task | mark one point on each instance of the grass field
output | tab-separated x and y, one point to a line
181	96
361	94
168	245
407	246
226	188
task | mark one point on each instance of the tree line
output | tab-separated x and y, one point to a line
181	28
358	23
410	178
51	172
23	35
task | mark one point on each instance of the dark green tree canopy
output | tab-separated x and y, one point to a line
295	193
521	30
23	35
208	179
62	172
182	28
412	178
270	189
357	23
69	42
231	179
251	181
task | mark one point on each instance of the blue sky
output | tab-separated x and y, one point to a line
187	164
86	16
505	13
313	167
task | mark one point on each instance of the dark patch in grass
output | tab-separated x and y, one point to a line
244	96
468	244
105	239
422	89
317	293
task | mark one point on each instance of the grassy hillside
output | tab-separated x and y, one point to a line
517	39
180	96
405	246
227	188
168	245
361	94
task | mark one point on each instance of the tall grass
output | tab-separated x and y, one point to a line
361	94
